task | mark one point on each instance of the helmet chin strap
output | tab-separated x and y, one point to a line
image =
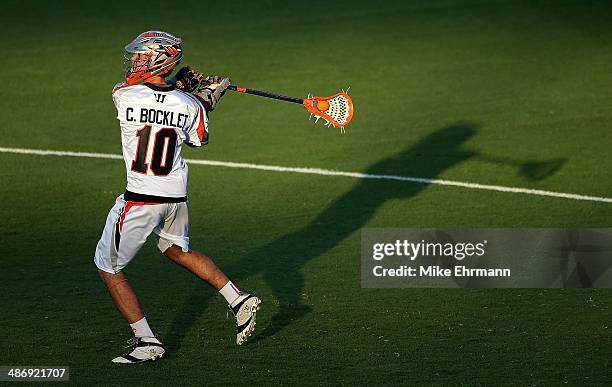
160	79
152	78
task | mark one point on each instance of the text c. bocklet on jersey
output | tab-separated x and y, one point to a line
158	117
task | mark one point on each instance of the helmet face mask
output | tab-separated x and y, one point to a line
151	53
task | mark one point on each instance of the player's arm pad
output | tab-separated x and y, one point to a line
211	91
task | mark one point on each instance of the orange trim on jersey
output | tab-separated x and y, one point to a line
201	130
129	204
201	127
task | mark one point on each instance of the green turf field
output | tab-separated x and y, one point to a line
513	93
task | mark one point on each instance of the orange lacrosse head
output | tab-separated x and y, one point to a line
336	110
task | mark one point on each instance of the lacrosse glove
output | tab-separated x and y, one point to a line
188	80
211	90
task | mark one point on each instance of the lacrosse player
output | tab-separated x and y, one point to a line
157	115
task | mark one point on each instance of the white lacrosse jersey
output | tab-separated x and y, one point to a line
155	120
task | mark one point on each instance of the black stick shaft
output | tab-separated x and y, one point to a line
266	94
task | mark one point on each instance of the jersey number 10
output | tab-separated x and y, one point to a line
164	148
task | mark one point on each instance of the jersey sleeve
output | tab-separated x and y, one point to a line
196	132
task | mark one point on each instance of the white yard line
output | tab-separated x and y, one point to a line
328	172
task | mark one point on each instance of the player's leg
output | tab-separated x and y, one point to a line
127	227
200	265
173	241
243	305
124	298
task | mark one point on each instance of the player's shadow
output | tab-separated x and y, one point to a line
530	170
282	260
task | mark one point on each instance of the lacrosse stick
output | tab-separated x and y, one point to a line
336	110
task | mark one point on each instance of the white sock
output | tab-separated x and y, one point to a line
230	292
141	328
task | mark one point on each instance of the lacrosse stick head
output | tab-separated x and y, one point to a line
336	110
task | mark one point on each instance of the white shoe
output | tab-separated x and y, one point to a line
245	308
143	349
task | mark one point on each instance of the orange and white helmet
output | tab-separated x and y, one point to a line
151	53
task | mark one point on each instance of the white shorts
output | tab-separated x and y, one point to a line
129	224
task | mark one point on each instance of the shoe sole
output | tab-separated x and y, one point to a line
152	358
249	331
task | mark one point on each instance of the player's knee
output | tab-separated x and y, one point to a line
110	278
174	252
